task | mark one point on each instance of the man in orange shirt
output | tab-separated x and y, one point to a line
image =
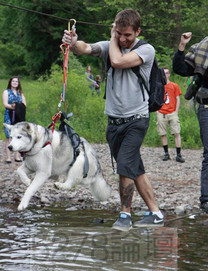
168	115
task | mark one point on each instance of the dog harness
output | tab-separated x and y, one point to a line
75	140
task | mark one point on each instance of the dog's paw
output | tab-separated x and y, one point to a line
61	186
22	206
26	181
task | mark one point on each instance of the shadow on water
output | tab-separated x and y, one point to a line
57	239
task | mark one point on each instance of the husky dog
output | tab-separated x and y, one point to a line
51	154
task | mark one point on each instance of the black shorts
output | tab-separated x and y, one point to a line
125	141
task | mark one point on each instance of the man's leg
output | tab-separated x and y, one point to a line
129	165
175	130
203	123
145	189
166	156
126	189
164	140
179	157
162	126
153	217
177	140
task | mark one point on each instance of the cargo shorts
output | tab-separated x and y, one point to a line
125	141
164	120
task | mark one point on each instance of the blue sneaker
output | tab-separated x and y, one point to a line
123	223
150	220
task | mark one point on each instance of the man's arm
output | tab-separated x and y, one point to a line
185	38
177	103
179	65
119	60
80	47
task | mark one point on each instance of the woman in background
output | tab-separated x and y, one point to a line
11	96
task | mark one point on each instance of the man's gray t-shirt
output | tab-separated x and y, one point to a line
124	96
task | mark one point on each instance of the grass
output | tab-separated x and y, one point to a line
88	120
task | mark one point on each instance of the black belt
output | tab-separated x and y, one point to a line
119	121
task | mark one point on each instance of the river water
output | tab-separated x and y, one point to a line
59	239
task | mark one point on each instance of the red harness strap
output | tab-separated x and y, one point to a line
47	143
54	118
22	154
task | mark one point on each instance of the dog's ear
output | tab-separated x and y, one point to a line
8	126
27	128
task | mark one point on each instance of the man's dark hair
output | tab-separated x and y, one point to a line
128	17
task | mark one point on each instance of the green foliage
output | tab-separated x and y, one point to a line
43	96
31	41
88	120
29	45
12	56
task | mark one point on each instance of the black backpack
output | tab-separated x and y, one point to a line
18	114
158	80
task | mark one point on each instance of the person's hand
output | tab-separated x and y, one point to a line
13	105
70	37
113	30
185	37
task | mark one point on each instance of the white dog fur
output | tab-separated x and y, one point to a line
50	155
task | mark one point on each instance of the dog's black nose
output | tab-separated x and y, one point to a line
10	147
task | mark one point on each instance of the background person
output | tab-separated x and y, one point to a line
89	76
97	84
195	63
127	111
168	115
11	96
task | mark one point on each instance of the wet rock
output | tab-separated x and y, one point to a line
72	209
180	209
98	220
45	200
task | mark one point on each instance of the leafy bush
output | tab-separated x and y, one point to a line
88	120
12	56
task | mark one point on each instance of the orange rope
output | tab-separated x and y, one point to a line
65	52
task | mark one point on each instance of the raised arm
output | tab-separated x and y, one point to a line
80	47
119	60
179	65
185	38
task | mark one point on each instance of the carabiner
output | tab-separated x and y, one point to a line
69	24
69	29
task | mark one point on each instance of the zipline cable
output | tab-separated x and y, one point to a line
88	23
50	15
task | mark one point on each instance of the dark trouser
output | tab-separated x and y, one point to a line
125	141
203	124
